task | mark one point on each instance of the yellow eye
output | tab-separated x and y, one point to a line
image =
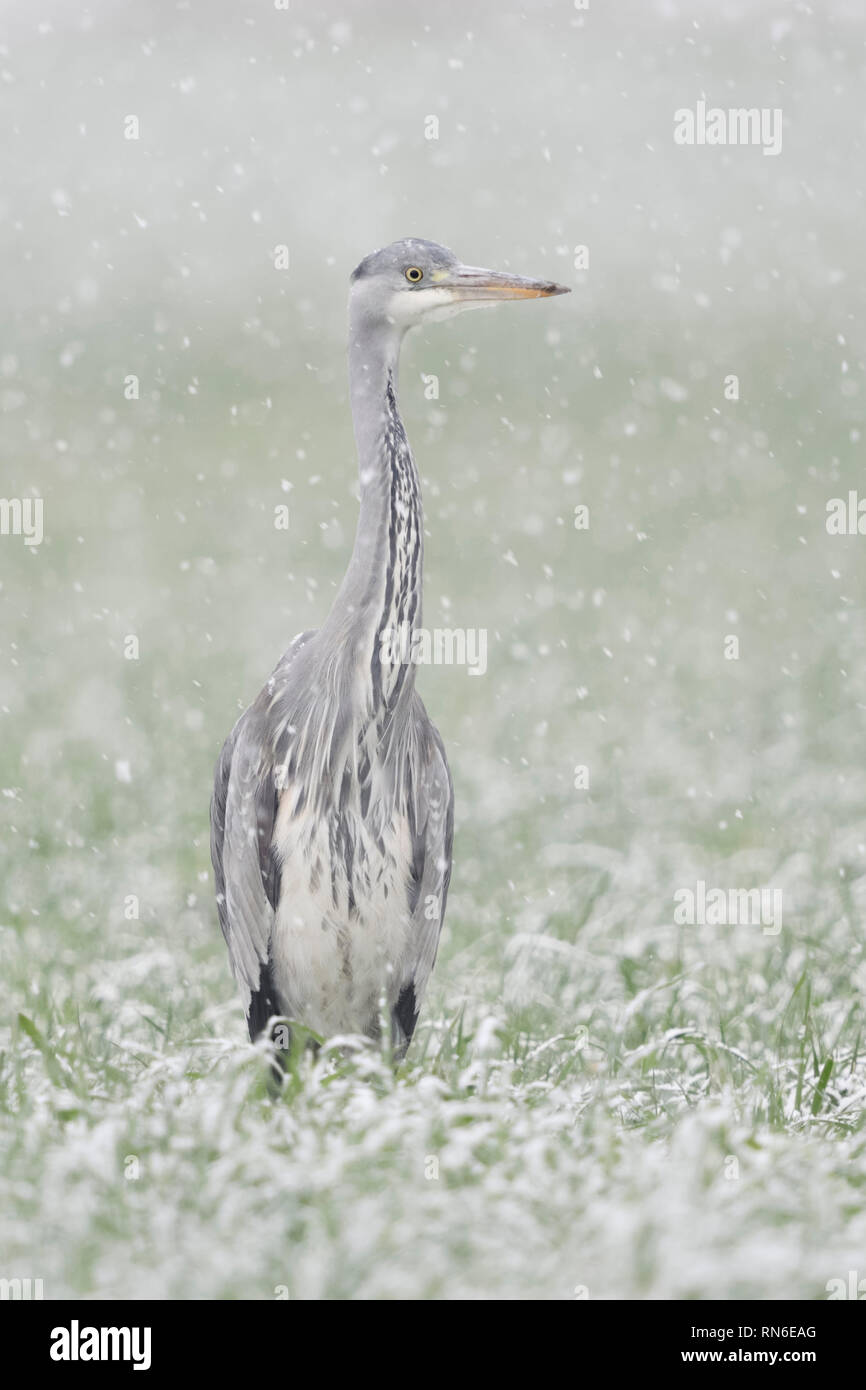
414	273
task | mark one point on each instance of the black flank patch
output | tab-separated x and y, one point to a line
405	1012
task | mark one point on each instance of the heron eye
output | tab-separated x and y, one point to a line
414	273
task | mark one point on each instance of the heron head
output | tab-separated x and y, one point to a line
412	281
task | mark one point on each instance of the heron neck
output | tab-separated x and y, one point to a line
379	602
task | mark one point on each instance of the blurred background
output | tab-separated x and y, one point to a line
153	257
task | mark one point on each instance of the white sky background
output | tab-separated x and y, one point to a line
306	127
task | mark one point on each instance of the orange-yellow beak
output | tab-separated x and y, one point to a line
470	283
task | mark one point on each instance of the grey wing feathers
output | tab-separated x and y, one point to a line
247	912
218	825
434	833
243	812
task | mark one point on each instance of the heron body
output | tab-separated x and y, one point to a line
332	813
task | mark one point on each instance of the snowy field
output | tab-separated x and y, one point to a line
603	1100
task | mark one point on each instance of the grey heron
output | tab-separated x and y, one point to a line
332	811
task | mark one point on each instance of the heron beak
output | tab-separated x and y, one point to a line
470	284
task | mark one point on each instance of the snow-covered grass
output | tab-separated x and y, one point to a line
696	1142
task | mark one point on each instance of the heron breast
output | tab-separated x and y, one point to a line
343	918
